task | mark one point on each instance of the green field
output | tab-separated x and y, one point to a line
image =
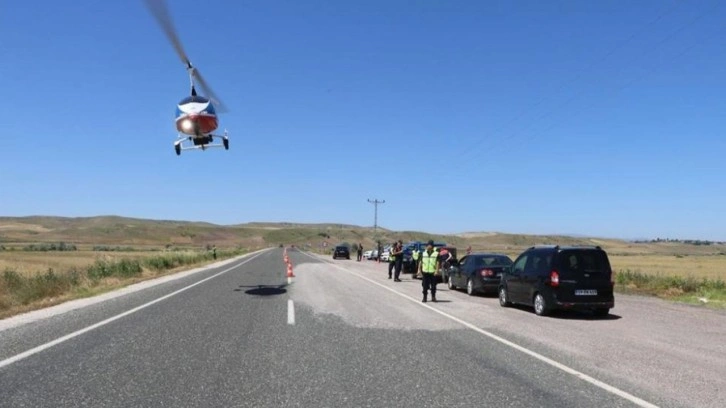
47	260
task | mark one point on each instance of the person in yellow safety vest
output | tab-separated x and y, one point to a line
391	261
415	255
429	269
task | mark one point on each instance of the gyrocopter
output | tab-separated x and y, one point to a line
196	115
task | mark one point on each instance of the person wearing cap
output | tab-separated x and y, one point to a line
428	269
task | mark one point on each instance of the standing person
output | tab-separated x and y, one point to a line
428	269
415	255
398	253
360	251
391	260
445	257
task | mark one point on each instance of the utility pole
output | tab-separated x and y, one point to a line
375	214
375	225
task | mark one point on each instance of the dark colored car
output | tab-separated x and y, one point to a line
478	272
554	277
341	251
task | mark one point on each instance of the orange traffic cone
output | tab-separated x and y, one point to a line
290	275
287	260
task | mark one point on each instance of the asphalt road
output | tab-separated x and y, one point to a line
344	336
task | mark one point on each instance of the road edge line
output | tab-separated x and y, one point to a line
80	303
10	360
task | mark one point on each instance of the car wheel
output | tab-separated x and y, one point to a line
602	312
451	284
470	287
503	299
541	308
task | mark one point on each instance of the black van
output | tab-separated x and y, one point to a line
554	277
341	251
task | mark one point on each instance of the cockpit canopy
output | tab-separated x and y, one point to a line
195	99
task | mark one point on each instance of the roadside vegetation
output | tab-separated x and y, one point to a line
689	288
22	290
696	278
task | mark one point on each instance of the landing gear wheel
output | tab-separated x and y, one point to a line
225	141
177	148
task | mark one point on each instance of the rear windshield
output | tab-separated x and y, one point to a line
583	261
491	260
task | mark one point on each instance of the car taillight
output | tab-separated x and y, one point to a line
554	278
486	272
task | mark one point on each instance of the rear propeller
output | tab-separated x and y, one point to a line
161	14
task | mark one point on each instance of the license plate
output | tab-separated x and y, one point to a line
588	292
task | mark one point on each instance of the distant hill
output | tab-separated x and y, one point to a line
125	231
116	230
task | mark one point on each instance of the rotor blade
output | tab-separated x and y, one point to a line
161	13
221	108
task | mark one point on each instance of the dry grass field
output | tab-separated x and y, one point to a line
697	266
29	263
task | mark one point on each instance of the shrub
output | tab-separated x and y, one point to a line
124	268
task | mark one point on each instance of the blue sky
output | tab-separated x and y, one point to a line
598	118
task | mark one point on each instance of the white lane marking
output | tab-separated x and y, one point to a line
290	312
77	333
607	387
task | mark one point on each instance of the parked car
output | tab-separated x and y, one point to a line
374	254
554	277
478	272
341	251
368	254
